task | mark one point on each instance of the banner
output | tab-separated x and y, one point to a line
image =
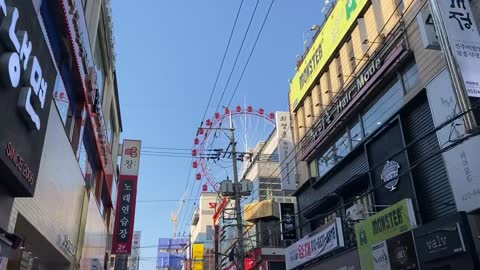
328	239
288	227
393	221
286	155
338	23
464	41
126	199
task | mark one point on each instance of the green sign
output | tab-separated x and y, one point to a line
351	6
387	223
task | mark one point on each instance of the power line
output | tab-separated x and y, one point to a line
251	52
413	166
213	91
223	60
298	144
238	54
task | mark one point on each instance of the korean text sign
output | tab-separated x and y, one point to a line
285	148
126	200
464	41
328	239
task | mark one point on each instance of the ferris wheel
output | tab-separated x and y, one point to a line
212	151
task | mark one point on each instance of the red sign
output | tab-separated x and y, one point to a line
212	205
249	263
127	195
125	215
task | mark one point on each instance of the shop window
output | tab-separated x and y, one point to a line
356	135
383	107
342	147
410	77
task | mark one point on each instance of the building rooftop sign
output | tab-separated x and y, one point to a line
342	17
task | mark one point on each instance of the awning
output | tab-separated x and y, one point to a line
263	209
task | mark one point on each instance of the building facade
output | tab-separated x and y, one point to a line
378	131
61	207
172	253
270	211
202	232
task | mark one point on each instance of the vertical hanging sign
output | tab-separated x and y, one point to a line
464	41
286	158
127	194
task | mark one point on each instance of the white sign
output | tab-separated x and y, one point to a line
464	41
308	248
130	157
460	161
135	257
286	155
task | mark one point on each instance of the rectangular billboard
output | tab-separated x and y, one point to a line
373	231
26	91
342	17
286	155
464	41
126	198
327	239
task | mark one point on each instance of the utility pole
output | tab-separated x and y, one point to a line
236	189
191	250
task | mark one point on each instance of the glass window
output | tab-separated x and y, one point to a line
99	66
82	159
313	168
384	107
410	77
356	134
326	161
343	147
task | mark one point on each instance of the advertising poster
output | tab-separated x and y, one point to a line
288	226
374	232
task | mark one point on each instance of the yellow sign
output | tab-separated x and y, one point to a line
342	17
198	256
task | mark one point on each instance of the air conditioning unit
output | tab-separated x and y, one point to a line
355	212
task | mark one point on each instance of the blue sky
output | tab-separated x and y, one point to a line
168	55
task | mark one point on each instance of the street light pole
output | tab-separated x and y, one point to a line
236	189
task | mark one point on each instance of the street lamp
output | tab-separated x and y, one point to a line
313	28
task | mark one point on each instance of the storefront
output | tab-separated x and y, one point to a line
446	244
